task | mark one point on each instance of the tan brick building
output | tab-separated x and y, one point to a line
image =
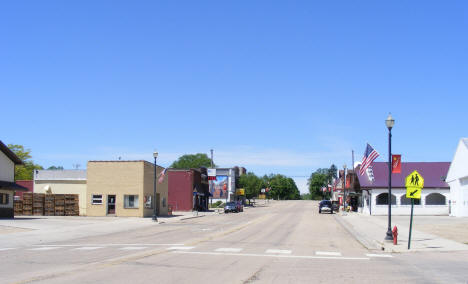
124	188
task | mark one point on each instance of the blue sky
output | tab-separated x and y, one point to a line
275	86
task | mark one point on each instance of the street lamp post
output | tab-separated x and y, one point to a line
389	122
155	155
344	188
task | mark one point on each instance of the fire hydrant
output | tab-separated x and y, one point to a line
395	235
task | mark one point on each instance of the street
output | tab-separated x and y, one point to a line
277	242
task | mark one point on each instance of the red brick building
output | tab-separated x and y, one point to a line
29	184
188	189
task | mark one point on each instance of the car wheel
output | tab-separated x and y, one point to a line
320	211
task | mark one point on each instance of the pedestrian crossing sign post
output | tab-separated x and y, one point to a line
414	183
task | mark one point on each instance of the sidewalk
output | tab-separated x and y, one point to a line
370	232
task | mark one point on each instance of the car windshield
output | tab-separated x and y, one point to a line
231	204
325	202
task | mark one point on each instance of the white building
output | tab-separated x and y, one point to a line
434	196
8	161
62	182
457	178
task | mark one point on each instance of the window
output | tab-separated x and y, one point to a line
130	201
4	198
407	201
96	199
435	199
382	199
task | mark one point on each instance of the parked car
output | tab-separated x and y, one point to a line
231	207
325	205
240	207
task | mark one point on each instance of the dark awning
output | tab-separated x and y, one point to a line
12	186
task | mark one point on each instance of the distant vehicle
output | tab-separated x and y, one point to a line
240	207
231	207
325	205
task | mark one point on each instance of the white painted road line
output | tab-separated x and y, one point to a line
106	245
3	249
378	255
44	248
278	251
132	248
328	253
272	255
180	248
228	249
87	248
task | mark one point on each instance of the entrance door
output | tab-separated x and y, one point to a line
110	204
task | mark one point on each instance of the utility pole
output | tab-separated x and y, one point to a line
211	158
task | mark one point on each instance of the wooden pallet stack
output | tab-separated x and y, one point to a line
18	207
71	205
27	203
38	204
49	205
59	205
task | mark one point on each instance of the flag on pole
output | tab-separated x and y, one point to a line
396	164
161	176
369	156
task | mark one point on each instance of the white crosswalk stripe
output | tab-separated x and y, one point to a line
328	253
278	251
133	248
228	249
44	248
3	249
180	248
87	248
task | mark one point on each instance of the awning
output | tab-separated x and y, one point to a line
12	186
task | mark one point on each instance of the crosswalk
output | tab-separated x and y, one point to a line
180	248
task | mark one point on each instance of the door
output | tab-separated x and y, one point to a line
110	204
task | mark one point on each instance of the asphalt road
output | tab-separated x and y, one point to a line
283	242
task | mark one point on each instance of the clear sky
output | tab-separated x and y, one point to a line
274	86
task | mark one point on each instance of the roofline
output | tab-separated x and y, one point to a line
12	156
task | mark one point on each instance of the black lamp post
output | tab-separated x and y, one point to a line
155	155
389	122
344	188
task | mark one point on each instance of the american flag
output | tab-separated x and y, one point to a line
369	156
161	176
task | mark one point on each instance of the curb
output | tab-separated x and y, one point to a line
366	242
192	217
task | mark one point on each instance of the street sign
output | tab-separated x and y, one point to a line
414	183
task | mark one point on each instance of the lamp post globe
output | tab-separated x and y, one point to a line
389	122
155	155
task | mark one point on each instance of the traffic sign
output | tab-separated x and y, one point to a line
414	183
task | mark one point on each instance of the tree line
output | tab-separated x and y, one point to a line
322	177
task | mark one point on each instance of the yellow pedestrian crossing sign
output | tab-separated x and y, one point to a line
414	183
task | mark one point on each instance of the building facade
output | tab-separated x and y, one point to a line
434	196
457	178
8	187
125	189
188	189
63	182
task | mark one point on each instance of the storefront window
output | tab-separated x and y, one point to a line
96	199
4	198
131	201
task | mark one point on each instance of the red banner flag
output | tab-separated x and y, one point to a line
396	164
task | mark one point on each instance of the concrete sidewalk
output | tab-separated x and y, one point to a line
370	232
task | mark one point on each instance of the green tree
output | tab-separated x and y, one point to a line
316	181
55	168
192	161
25	171
283	187
251	184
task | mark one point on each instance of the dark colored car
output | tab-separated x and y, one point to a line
336	206
231	207
325	205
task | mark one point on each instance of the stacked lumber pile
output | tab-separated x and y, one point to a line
59	204
49	205
38	204
27	203
18	207
71	205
